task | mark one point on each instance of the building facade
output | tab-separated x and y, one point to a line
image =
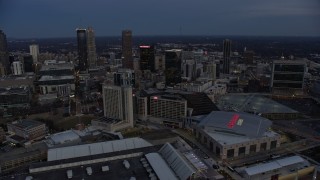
288	77
4	55
226	56
91	45
118	104
17	68
168	107
82	49
147	58
34	52
124	77
127	61
27	129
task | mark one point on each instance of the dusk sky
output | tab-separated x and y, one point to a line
60	18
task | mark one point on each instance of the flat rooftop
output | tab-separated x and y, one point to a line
26	123
252	103
56	78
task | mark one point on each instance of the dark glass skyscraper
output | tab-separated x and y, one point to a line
173	67
4	55
127	61
82	49
147	58
226	56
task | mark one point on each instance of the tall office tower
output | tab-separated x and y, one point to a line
146	58
226	55
118	103
173	67
82	49
4	55
91	43
34	52
28	63
17	68
127	61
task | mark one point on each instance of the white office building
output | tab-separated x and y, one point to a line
17	68
34	52
118	105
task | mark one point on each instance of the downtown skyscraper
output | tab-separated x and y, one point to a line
82	49
4	55
127	61
226	56
91	48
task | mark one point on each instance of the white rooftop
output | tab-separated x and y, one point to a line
96	148
62	137
160	166
276	164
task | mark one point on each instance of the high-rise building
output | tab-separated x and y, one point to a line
34	52
82	49
226	56
173	67
288	77
28	63
118	103
127	61
91	43
146	58
17	68
4	55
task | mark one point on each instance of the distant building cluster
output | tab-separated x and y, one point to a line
209	99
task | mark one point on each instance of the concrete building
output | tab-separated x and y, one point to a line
118	105
61	85
34	52
91	45
288	77
127	61
11	81
232	134
17	68
27	129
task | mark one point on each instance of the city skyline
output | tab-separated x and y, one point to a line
258	18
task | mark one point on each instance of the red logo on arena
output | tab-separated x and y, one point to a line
233	121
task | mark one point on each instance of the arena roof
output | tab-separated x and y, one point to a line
96	148
235	123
